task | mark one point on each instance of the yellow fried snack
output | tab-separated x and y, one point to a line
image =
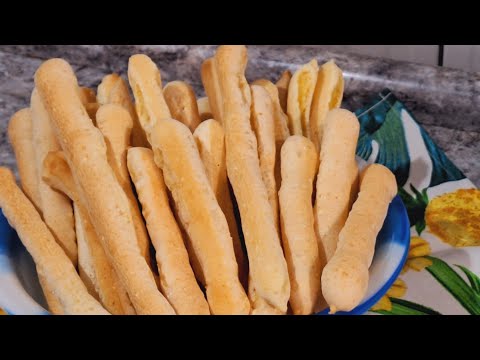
56	208
455	217
210	139
299	167
204	110
202	218
328	95
177	280
282	85
300	95
269	285
345	277
114	90
51	261
107	204
182	102
337	175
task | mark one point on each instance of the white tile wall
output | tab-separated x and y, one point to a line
465	57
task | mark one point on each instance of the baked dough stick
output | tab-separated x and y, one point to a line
20	134
299	167
146	84
300	94
21	138
57	210
269	286
210	139
177	280
107	204
328	95
263	125
87	95
114	90
116	124
182	102
204	109
345	277
211	85
177	155
282	86
337	175
51	261
95	268
281	124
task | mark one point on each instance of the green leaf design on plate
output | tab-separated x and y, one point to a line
455	285
415	206
405	307
473	278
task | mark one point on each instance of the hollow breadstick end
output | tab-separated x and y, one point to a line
182	102
345	277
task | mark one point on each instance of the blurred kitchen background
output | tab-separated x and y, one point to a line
465	57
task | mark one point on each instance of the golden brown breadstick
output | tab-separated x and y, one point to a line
269	284
300	94
56	208
337	174
299	167
328	95
210	139
204	110
115	124
51	261
107	204
146	83
263	125
20	134
177	280
177	155
95	268
92	109
182	102
212	88
87	95
345	277
54	305
114	90
282	84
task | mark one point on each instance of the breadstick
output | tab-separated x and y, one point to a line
328	95
263	125
300	94
176	154
115	124
114	90
92	109
281	124
94	266
204	110
20	134
51	261
269	283
282	86
299	167
87	95
211	84
146	83
182	102
54	305
107	204
210	139
177	280
56	208
336	176
345	277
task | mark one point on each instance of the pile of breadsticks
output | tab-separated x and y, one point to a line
105	176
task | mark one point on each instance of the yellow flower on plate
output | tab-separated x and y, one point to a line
398	290
418	249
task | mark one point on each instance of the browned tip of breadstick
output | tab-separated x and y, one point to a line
282	85
57	174
182	102
20	137
212	88
146	84
51	261
204	110
114	90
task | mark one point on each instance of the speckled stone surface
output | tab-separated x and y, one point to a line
445	101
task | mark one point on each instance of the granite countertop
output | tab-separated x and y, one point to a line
445	101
